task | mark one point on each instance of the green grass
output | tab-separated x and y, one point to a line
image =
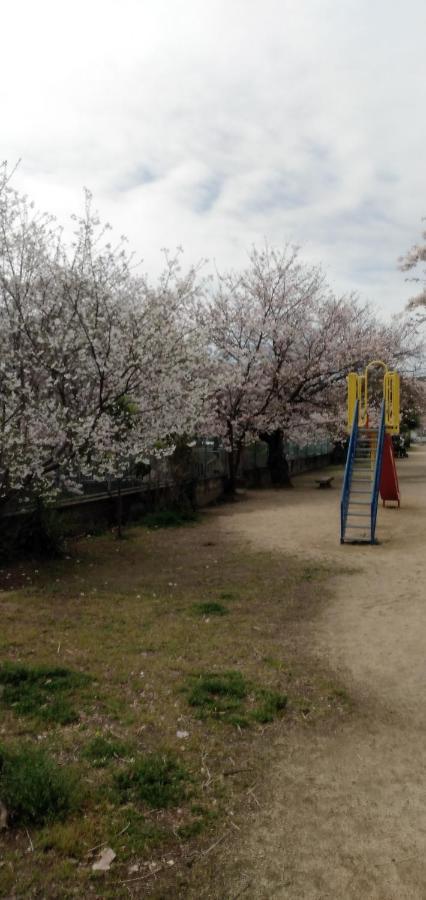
169	518
43	692
228	595
210	608
271	704
218	692
230	697
157	779
125	613
101	751
141	834
34	789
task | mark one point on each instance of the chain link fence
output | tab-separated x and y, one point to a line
208	460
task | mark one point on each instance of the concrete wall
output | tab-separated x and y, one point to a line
97	512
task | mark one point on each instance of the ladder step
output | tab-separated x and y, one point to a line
362	527
363	514
360	503
356	491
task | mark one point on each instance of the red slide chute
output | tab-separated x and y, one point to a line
389	486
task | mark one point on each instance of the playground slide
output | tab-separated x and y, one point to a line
360	490
389	486
370	465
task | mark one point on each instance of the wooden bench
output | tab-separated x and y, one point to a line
324	482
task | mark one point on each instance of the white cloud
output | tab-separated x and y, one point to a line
219	124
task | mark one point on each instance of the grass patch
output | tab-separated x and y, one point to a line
101	751
191	830
210	608
34	789
66	838
229	697
124	611
42	692
312	572
158	779
340	695
169	518
216	694
73	837
141	834
271	704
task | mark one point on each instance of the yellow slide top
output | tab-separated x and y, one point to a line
358	390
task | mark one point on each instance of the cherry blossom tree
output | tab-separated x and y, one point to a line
283	345
412	262
413	402
98	368
252	320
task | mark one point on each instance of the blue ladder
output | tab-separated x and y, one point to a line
361	482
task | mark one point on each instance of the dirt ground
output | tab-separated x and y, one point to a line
343	814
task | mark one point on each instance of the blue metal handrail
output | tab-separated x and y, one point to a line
377	472
344	498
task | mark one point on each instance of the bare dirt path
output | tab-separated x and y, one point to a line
346	815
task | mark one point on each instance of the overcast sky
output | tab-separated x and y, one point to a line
216	125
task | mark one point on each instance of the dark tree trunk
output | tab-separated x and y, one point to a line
183	490
277	461
234	458
119	513
231	485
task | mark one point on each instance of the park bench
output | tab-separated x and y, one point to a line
324	482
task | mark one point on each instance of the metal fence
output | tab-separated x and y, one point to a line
305	451
208	461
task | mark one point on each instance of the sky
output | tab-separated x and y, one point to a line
219	124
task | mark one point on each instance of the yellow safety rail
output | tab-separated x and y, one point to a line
358	390
352	380
363	400
391	392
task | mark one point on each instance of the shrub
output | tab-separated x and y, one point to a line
38	533
157	779
33	788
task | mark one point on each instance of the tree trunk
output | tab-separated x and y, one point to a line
183	490
119	513
231	485
277	462
232	474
